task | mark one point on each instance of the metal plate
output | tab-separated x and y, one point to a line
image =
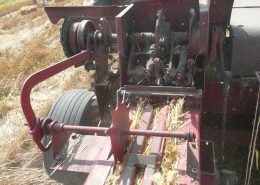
84	154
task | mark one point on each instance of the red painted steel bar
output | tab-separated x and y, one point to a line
101	167
57	13
129	173
36	78
156	148
42	75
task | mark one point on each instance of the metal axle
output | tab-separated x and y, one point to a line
107	131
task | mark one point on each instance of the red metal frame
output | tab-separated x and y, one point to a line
98	166
121	19
89	12
118	128
117	132
156	148
130	171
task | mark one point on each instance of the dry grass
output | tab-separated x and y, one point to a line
25	169
20	160
15	67
8	25
78	79
14	7
10	146
113	178
5	107
13	22
168	173
148	142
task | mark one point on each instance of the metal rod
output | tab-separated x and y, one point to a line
161	91
105	131
226	87
150	133
82	129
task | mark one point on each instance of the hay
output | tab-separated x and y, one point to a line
153	125
114	178
20	159
148	145
168	173
138	114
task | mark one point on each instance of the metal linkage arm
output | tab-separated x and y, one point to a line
34	123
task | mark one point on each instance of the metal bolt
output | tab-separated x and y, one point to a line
73	136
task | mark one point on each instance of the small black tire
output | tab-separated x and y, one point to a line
64	35
74	107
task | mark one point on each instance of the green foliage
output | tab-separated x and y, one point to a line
7	3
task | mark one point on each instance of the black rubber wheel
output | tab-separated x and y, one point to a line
74	107
64	36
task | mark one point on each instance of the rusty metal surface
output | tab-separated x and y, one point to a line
176	13
246	41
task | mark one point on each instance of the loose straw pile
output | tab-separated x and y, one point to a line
113	178
148	143
167	174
